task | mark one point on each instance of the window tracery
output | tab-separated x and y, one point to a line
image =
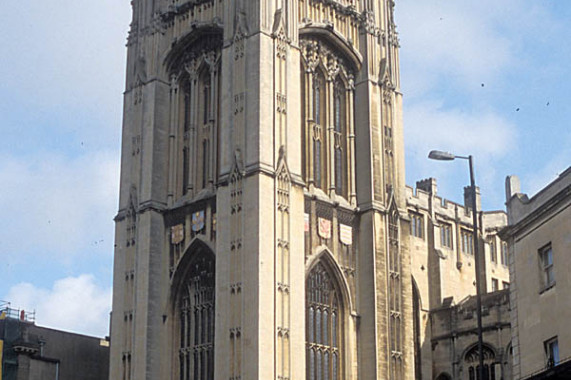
472	360
194	118
196	320
323	321
327	119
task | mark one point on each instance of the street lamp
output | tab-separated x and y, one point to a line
446	156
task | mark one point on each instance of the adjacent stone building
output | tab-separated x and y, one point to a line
262	230
31	352
443	271
539	236
454	339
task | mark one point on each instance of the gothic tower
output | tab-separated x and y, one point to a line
262	220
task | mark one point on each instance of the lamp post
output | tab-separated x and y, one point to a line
445	156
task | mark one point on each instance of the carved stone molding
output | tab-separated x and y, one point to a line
316	53
201	46
181	7
368	23
346	7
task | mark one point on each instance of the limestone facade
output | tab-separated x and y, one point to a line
253	239
454	339
442	267
539	235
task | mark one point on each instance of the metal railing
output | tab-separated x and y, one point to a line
6	311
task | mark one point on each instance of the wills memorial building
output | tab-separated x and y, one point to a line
262	230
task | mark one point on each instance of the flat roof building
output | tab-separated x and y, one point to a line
31	352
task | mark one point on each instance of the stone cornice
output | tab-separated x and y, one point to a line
261	168
149	205
471	331
554	205
340	204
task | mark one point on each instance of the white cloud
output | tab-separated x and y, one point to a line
442	41
75	304
463	43
485	135
482	133
56	204
450	48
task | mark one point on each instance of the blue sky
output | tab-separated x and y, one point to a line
488	78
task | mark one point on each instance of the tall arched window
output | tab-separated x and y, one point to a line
323	326
194	111
196	320
327	114
471	361
195	128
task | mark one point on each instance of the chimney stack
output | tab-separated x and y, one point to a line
468	198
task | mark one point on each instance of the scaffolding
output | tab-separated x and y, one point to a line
7	311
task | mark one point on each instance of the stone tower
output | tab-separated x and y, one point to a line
262	229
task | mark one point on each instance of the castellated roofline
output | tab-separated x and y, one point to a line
421	199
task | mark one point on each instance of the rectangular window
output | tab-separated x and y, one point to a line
546	263
495	285
467	241
493	251
417	225
505	284
504	253
446	235
552	352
